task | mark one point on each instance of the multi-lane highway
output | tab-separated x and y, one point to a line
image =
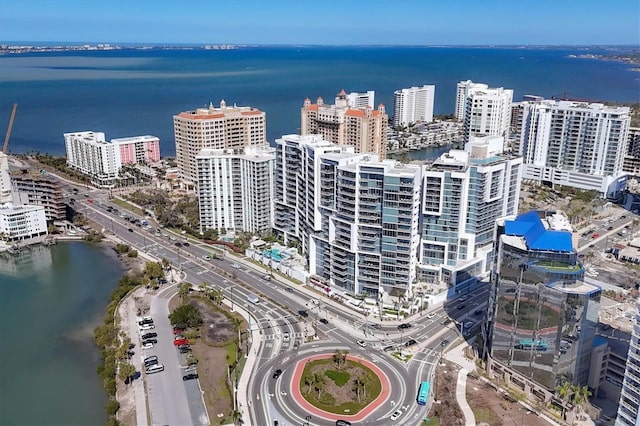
285	335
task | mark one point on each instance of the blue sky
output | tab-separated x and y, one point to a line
421	22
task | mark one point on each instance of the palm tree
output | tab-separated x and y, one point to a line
337	357
345	353
183	291
580	397
564	392
319	383
308	380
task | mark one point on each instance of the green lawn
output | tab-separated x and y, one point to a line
340	378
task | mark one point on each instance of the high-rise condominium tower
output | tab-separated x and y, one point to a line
574	144
413	105
365	129
629	404
235	189
542	314
226	127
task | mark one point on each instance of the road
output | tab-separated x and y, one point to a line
277	313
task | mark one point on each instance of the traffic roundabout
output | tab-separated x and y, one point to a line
300	375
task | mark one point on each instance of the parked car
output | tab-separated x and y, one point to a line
147	345
190	376
147	327
277	373
150	360
180	342
149	336
152	341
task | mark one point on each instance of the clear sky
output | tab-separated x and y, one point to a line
329	22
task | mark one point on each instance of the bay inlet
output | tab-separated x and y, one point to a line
51	299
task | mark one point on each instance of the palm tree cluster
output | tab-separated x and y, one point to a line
574	396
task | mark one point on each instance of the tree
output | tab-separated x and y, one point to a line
186	316
337	357
319	383
127	371
580	397
154	270
308	380
183	291
564	392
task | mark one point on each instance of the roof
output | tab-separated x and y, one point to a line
536	235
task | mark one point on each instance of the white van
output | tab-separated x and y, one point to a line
154	369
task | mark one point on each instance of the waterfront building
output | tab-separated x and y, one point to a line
464	192
487	112
628	406
359	100
413	105
542	312
235	189
138	149
463	89
90	154
365	129
39	189
19	223
226	127
631	163
576	144
5	179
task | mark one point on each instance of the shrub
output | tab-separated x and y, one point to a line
112	407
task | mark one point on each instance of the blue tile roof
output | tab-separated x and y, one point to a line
530	227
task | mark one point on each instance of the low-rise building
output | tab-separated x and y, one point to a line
18	223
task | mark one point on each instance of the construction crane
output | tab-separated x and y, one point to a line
6	137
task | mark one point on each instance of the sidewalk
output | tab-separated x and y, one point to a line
456	355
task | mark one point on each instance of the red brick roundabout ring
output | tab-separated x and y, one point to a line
362	414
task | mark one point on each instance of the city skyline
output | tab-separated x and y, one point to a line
354	23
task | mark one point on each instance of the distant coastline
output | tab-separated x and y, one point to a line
631	58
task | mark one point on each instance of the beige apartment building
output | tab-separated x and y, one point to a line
365	129
226	127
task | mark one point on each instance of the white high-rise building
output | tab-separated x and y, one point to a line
628	406
413	105
359	100
18	223
5	179
235	189
488	113
226	127
464	192
463	89
574	144
90	154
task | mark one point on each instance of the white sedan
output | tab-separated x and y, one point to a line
362	343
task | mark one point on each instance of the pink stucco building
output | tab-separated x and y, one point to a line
138	149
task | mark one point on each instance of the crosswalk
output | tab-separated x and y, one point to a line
292	336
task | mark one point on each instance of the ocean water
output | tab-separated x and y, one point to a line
136	92
51	299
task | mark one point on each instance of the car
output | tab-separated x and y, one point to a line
362	343
410	342
404	326
205	257
185	244
152	341
178	244
150	360
431	315
147	345
178	337
277	373
396	415
266	277
184	349
624	216
462	299
342	423
147	327
389	348
303	314
324	321
288	289
180	342
596	235
235	266
447	321
296	345
462	306
130	230
477	312
190	376
149	336
610	228
178	330
285	337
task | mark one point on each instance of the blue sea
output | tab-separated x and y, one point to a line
137	92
